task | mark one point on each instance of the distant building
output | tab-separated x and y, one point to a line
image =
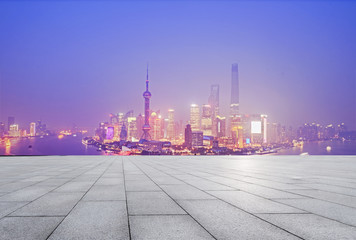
32	129
139	125
10	121
41	129
188	136
235	98
220	126
214	103
171	125
194	117
123	133
2	129
206	120
14	131
131	129
197	139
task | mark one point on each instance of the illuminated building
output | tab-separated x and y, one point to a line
2	129
123	133
14	130
114	118
109	133
220	126
264	127
32	129
214	103
188	137
197	139
254	129
131	128
194	117
140	121
10	121
156	125
41	129
206	120
146	127
234	104
272	136
171	125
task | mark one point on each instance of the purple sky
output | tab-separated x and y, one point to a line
71	62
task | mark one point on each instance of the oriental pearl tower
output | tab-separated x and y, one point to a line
146	127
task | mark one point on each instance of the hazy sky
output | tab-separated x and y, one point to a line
71	62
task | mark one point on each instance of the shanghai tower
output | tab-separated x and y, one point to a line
234	105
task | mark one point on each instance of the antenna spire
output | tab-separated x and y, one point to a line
147	79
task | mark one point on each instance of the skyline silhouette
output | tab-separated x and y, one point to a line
76	62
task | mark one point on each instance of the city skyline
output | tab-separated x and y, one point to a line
82	87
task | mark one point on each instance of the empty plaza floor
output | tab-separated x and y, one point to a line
178	197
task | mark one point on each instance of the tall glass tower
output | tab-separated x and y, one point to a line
234	105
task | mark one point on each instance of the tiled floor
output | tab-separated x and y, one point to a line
178	197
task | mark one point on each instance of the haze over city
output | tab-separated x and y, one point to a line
71	62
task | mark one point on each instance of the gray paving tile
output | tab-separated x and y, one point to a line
27	194
252	203
142	203
51	204
14	186
331	188
141	185
334	211
8	207
75	187
110	181
224	221
105	193
166	227
94	220
310	226
328	196
27	228
207	185
56	182
185	192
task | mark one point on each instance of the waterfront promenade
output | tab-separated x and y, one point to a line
178	197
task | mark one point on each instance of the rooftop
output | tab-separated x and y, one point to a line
171	197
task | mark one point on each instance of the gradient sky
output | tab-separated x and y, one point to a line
69	62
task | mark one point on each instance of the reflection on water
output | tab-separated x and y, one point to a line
51	145
322	148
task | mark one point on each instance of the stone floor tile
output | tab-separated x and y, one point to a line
51	204
310	226
94	220
224	221
143	203
166	227
27	228
252	203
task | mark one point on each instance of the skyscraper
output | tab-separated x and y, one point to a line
188	137
32	129
171	125
10	121
214	103
206	120
146	127
235	101
2	129
194	117
220	126
234	121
